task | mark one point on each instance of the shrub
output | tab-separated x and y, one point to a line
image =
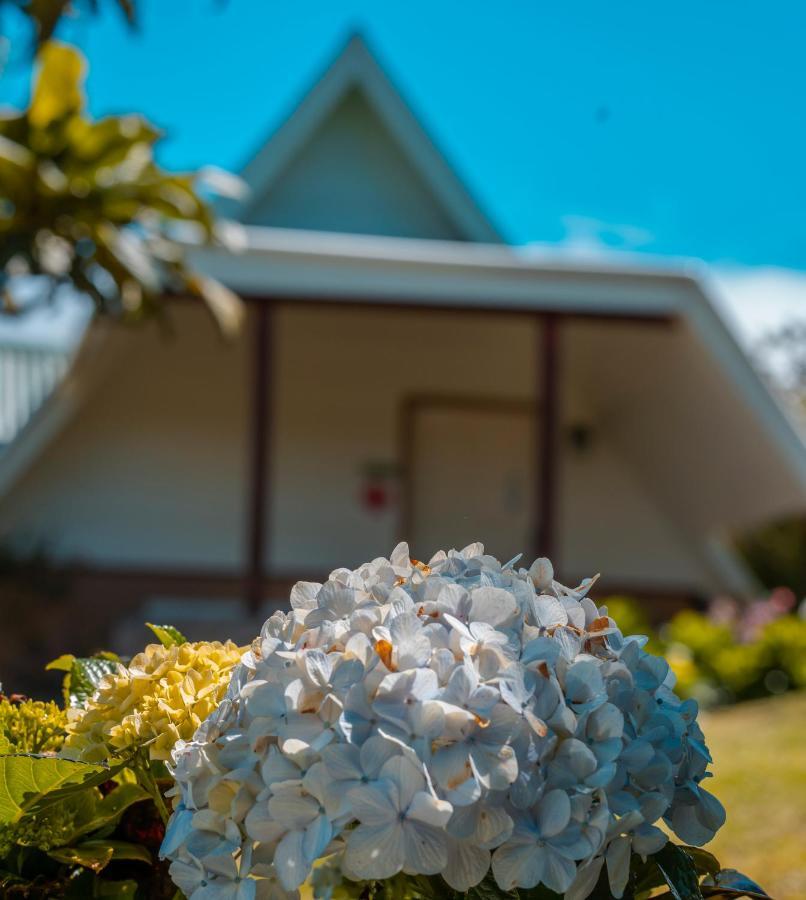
731	652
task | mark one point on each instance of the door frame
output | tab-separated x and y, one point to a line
412	404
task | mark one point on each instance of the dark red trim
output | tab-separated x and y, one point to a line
547	413
405	456
492	307
259	454
92	586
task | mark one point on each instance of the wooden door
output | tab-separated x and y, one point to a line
472	469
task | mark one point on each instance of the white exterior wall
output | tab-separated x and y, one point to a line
352	176
343	376
151	471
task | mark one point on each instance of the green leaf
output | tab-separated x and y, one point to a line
541	892
93	190
645	875
87	885
62	663
224	304
95	857
115	890
110	808
167	635
91	813
15	155
487	889
705	863
84	674
85	677
31	784
728	883
58	90
412	887
679	871
46	15
125	850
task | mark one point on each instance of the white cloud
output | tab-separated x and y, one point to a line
757	303
758	300
585	236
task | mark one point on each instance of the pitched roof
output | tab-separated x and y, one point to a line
665	392
355	77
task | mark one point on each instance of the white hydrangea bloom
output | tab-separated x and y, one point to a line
447	718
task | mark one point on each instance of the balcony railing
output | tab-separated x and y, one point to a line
27	376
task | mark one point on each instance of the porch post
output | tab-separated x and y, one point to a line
259	453
547	401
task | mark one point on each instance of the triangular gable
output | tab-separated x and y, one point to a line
352	157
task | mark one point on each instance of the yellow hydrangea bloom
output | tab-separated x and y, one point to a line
162	697
31	726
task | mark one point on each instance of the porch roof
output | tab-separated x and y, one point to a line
279	262
700	403
695	418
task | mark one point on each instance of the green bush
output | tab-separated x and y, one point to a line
720	657
784	642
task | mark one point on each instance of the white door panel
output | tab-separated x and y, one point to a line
472	478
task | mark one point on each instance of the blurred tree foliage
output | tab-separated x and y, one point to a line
45	15
785	348
82	203
776	553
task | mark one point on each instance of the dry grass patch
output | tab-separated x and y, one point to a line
759	751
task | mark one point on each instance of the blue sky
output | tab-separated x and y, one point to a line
674	129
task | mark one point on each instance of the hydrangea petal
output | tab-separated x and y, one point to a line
434	718
374	852
553	813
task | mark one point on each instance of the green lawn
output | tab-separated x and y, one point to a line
759	751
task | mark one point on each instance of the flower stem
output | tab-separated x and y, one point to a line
149	783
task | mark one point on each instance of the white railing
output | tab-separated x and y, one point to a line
27	375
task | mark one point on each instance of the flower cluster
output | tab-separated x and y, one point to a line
160	698
447	718
42	832
30	726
